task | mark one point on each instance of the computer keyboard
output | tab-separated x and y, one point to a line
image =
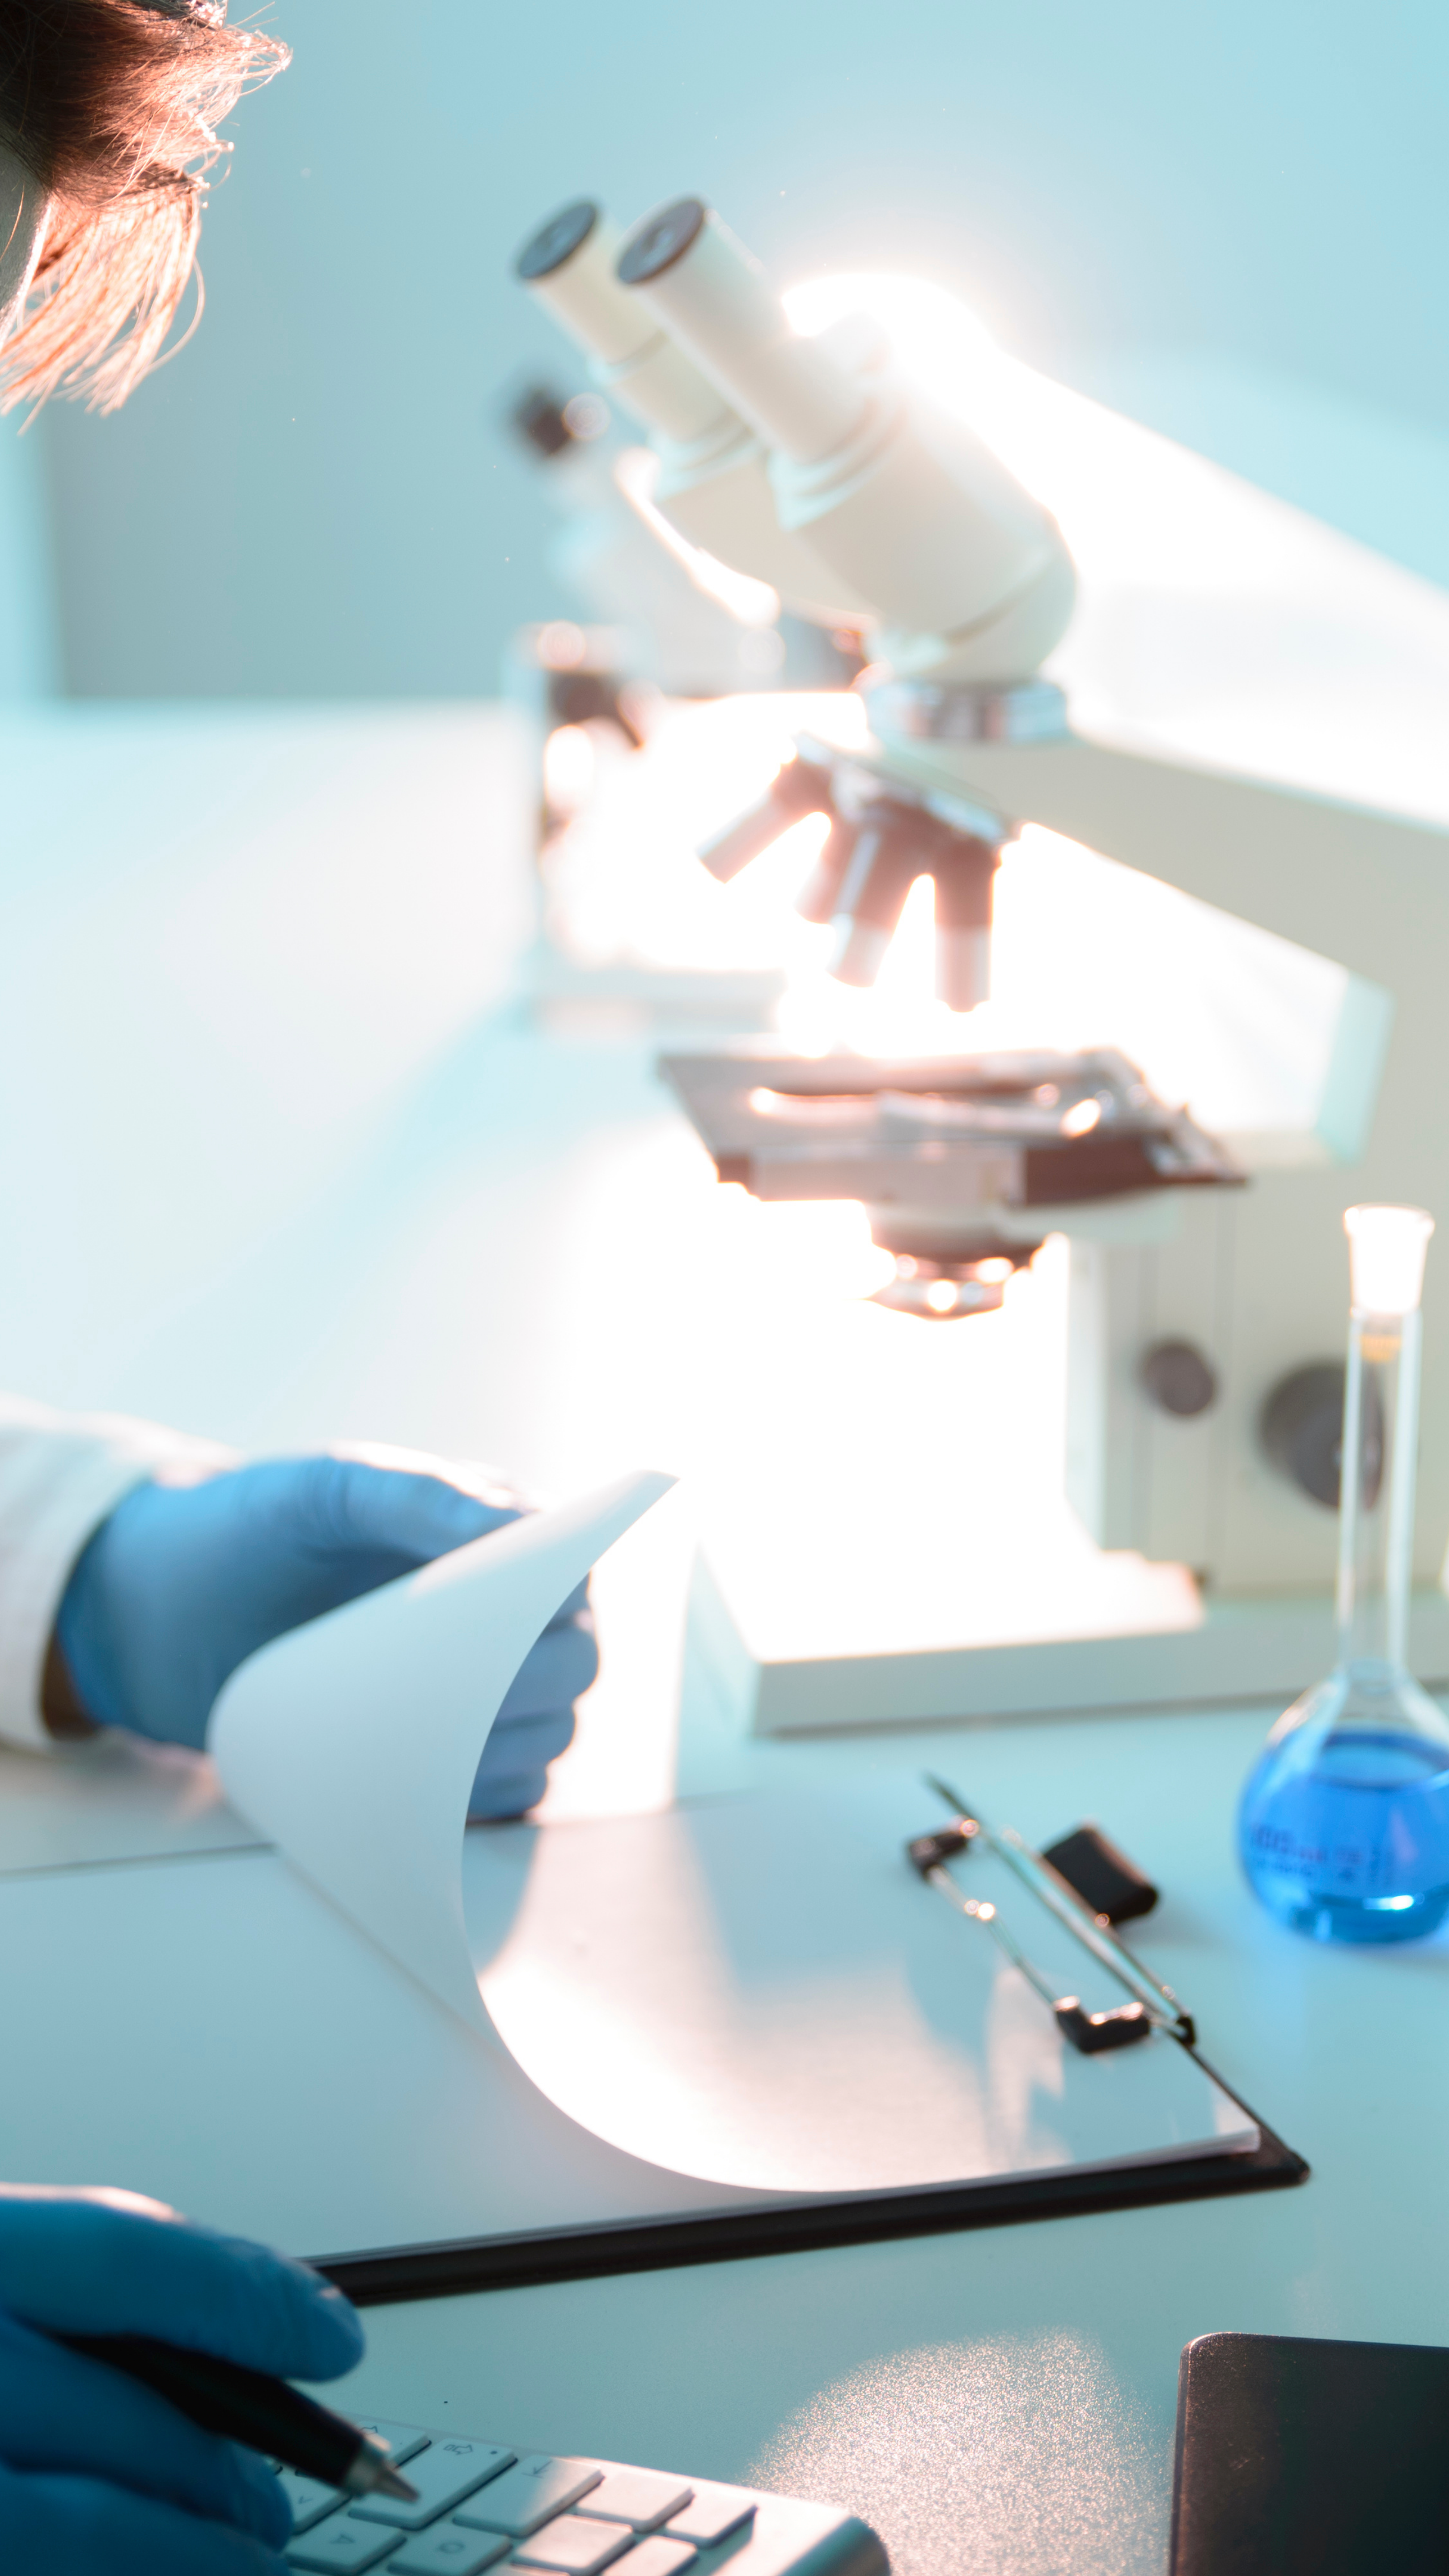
481	2505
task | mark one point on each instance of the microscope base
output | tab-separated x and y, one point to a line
1265	1647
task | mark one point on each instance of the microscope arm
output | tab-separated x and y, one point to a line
1368	890
1339	879
1260	1284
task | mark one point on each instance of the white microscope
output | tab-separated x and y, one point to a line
1206	1302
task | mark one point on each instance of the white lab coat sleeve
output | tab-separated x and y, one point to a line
61	1474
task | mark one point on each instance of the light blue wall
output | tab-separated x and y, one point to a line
30	644
314	499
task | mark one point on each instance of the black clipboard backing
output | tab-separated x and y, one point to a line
594	2253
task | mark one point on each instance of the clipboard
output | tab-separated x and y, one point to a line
375	2279
588	1873
336	2043
214	2031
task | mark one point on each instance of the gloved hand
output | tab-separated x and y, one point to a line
98	2475
183	1581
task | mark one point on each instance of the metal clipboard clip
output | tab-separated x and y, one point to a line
1154	2006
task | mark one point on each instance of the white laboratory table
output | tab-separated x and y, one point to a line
284	1166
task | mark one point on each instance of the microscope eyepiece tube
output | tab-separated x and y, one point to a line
554	243
568	266
661	239
703	287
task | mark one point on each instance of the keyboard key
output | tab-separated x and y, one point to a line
529	2493
639	2497
443	2474
711	2512
574	2544
447	2550
661	2556
341	2543
308	2499
404	2441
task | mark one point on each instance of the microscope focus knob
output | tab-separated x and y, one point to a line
1301	1429
1179	1379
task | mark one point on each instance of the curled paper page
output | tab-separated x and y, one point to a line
353	1742
758	1991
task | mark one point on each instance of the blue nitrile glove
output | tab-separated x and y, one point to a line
183	1581
98	2475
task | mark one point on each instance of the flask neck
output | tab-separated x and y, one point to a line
1376	1507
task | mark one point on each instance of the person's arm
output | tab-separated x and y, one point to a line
193	1572
61	1476
97	2473
139	1566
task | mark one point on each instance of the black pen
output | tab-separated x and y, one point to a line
246	2406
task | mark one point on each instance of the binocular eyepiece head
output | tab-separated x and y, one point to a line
661	240
555	243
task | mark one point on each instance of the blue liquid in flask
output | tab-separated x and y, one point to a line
1344	1832
1343	1829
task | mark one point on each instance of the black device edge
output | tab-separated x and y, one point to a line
656	2245
1179	2436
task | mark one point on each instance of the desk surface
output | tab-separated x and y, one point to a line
468	1239
1003	2400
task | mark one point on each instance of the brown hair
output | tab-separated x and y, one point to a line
112	106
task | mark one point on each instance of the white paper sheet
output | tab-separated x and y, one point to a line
761	1992
217	2032
353	1742
756	1994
